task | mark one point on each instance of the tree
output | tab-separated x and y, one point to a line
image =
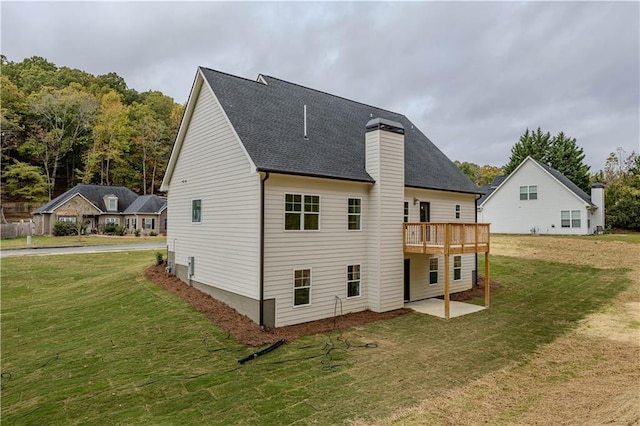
471	170
621	177
488	173
26	181
560	152
12	110
63	115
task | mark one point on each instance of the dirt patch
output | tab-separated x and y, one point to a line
243	329
476	291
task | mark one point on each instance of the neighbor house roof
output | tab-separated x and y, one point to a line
146	204
268	117
488	190
95	194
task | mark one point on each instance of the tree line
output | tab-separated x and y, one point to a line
63	126
620	176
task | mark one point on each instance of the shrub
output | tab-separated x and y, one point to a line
113	229
61	229
159	259
137	232
153	233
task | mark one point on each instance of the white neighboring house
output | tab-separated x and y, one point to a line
536	198
288	202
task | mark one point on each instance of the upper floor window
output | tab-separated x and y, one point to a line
355	213
457	211
570	219
406	211
529	192
196	211
112	203
301	212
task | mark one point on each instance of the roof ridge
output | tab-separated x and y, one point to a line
335	96
231	75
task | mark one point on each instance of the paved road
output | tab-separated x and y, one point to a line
77	250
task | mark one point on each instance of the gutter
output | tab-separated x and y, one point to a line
262	181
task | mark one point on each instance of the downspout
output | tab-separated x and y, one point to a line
475	284
262	181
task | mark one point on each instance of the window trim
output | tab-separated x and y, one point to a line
359	281
458	211
113	199
570	219
437	270
293	301
349	214
114	220
302	212
406	212
458	268
193	205
527	192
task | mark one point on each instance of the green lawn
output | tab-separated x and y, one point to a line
85	240
87	340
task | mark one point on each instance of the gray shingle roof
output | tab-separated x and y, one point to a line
268	118
95	194
488	189
146	204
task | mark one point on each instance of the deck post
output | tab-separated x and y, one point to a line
424	238
487	279
404	237
447	240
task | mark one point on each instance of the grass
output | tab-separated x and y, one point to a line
88	340
86	240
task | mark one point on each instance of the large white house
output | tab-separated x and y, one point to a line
536	198
287	202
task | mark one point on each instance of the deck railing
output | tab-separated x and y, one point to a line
446	238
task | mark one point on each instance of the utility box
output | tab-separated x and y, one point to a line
191	265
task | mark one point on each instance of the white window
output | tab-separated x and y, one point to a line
406	211
112	203
113	220
570	218
70	219
353	281
148	223
196	211
457	211
457	268
301	212
301	287
529	192
355	214
433	270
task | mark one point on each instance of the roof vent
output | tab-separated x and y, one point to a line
305	123
383	124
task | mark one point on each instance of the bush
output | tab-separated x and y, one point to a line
153	233
137	232
113	229
61	229
159	259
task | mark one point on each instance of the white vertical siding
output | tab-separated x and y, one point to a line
327	252
442	209
385	163
213	167
510	215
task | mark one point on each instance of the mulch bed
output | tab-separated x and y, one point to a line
249	333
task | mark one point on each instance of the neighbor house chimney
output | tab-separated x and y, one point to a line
384	141
597	199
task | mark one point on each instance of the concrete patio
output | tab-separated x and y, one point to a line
435	307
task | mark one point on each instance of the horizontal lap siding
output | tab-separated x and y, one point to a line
226	243
326	252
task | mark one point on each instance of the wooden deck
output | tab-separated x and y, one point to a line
446	238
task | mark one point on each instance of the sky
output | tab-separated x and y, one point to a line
473	76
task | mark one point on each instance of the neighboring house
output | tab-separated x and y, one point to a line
536	198
98	205
288	203
147	213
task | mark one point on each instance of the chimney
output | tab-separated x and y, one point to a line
384	142
597	199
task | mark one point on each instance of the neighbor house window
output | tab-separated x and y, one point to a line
457	211
355	213
196	211
406	211
148	223
113	220
301	287
529	192
301	212
457	267
353	280
70	219
433	271
570	218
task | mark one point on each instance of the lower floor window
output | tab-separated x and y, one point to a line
433	271
570	219
113	220
148	223
353	280
301	287
457	267
70	219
